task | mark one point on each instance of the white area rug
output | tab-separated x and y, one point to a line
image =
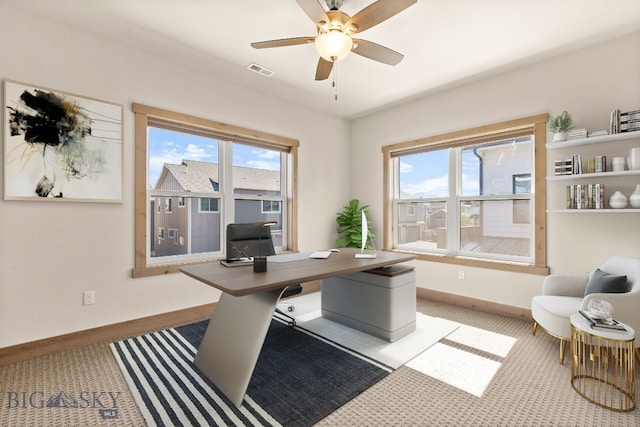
429	330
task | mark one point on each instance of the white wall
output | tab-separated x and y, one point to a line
51	252
588	83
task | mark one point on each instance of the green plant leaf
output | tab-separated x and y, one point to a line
350	224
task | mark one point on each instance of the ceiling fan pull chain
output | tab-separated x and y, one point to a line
335	78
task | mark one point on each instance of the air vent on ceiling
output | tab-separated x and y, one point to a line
260	69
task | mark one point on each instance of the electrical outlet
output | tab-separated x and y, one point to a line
88	297
461	274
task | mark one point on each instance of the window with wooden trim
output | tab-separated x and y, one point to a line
219	174
471	197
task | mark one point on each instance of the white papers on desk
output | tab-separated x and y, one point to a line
320	254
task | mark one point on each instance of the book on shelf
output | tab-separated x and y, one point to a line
628	116
577	164
604	324
585	196
564	167
596	164
630	126
577	133
598	133
628	121
614	121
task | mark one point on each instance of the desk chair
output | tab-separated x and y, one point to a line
250	240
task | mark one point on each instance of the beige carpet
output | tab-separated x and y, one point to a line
529	388
89	379
519	383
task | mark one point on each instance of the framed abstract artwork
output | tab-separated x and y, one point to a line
59	146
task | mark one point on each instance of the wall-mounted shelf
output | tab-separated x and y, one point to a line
618	180
592	175
593	140
593	211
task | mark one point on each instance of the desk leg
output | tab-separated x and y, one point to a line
231	345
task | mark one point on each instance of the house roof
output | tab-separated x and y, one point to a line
197	176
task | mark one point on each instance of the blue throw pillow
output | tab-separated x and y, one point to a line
602	282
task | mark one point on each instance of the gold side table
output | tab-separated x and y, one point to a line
602	365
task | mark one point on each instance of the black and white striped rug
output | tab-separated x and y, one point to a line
299	379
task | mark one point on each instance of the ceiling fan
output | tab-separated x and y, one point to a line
335	29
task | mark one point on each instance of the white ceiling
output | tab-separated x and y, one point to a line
445	42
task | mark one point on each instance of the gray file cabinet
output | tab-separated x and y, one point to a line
380	302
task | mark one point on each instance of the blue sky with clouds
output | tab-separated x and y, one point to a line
172	147
426	174
421	175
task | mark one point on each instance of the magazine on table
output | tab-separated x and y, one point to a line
598	323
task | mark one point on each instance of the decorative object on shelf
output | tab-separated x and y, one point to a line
617	164
618	200
560	125
634	198
633	162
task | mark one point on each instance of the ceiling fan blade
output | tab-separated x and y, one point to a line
314	10
376	52
377	12
324	69
282	42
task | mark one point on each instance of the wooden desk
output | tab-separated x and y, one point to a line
232	343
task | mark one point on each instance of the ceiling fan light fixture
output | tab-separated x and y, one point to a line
333	45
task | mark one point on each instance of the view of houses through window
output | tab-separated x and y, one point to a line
467	200
200	181
468	195
194	176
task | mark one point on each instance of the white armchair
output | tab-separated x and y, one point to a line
564	295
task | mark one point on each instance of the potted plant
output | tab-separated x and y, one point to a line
350	225
559	125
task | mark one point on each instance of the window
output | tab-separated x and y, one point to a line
208	204
217	174
522	208
521	183
272	206
468	197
